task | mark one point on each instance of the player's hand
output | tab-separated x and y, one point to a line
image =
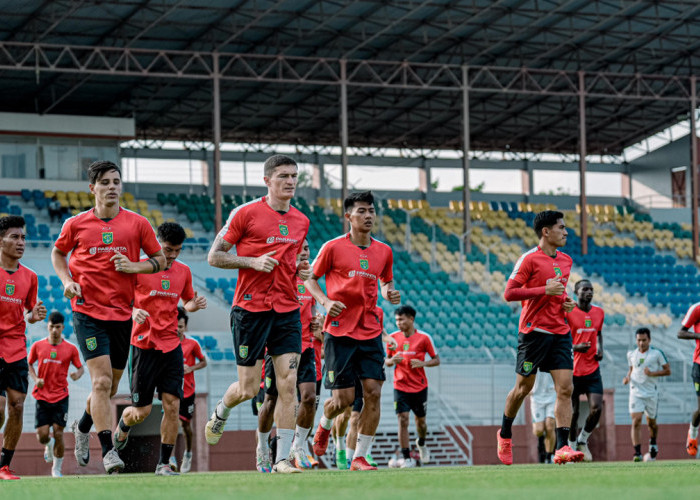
265	263
188	369
598	356
316	323
417	363
582	347
625	381
74	376
39	311
139	315
569	304
304	270
554	287
122	263
647	371
40	383
391	342
398	358
394	296
334	308
199	302
71	290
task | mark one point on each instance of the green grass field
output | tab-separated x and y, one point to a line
663	480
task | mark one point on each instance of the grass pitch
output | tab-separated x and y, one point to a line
600	481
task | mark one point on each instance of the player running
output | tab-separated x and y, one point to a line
544	343
692	321
157	362
353	348
542	400
268	234
410	381
54	355
18	305
104	244
646	364
586	323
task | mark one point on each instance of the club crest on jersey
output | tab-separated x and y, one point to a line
364	264
331	377
527	366
9	288
53	355
588	323
243	351
91	343
557	271
301	288
406	346
284	230
107	238
165	284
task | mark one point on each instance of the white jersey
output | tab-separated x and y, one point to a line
642	385
543	392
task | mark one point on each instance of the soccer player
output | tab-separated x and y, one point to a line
104	244
544	343
692	321
194	360
542	399
586	323
157	362
18	305
54	355
353	348
268	234
646	364
410	381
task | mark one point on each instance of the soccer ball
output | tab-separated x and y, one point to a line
395	463
647	457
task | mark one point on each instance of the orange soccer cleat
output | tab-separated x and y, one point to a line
361	463
505	449
691	445
321	440
565	455
6	473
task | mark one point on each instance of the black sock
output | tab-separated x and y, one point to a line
165	451
540	448
506	427
85	423
6	457
637	449
406	453
549	457
106	441
421	441
562	437
652	440
123	426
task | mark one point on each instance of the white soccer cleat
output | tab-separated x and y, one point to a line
424	453
583	448
173	463
285	467
112	463
56	473
299	459
120	438
82	445
165	470
48	451
186	462
214	428
408	463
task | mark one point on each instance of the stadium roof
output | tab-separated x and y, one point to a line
281	72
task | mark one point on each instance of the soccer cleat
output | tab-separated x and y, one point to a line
360	463
566	455
214	428
82	445
653	451
7	474
424	453
262	461
583	448
48	451
505	449
408	463
165	470
112	463
56	473
120	438
637	457
321	440
341	459
298	457
312	461
173	463
285	467
370	460
691	445
186	462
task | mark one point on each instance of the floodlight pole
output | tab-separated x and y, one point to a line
582	160
466	195
344	135
217	141
694	165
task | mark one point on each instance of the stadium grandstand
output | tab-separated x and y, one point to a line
190	98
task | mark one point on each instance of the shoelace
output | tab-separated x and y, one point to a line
218	425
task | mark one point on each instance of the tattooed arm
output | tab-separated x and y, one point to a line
219	256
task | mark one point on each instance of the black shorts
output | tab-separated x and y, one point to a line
97	337
187	408
253	331
543	351
417	402
258	401
152	371
306	373
588	384
359	401
696	378
51	413
348	359
14	375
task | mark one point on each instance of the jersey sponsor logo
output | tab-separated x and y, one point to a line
91	343
588	323
335	323
107	238
301	288
53	355
165	284
247	296
527	366
331	376
243	351
271	239
9	288
284	230
364	264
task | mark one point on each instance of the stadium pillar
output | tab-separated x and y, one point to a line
466	194
694	165
344	135
582	160
217	141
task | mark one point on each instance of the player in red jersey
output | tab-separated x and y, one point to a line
194	360
268	234
691	321
410	381
54	355
104	244
18	305
539	281
352	265
586	323
157	362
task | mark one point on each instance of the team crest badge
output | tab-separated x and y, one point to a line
557	271
135	398
243	351
91	343
107	238
331	377
268	382
9	288
53	355
165	284
697	387
527	366
364	264
588	323
406	346
301	288
284	230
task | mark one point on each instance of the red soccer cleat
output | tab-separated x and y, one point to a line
691	446
565	455
361	463
6	473
505	449
321	440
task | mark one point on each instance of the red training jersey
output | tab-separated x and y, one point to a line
351	278
17	296
543	313
691	321
416	346
158	294
192	354
54	361
255	229
307	313
584	328
107	294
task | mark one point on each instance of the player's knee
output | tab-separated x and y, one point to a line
308	399
565	391
248	391
403	419
42	436
15	407
102	384
58	435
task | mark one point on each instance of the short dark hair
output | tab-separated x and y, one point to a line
365	196
275	161
56	318
643	331
580	283
9	222
172	232
546	219
405	310
98	168
182	314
